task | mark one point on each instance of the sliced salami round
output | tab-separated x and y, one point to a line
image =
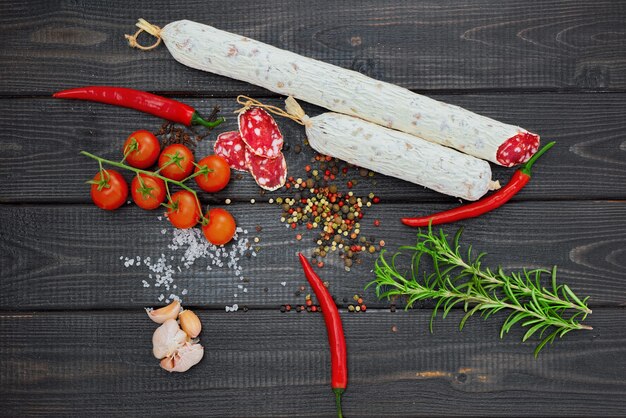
260	132
269	173
231	147
518	149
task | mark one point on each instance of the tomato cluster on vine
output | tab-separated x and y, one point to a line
150	189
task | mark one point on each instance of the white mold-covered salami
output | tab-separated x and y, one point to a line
345	91
399	154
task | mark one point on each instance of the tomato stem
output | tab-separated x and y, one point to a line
133	146
148	173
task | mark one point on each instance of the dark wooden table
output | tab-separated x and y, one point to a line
74	339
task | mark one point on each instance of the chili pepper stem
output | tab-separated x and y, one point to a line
148	173
196	119
338	393
529	164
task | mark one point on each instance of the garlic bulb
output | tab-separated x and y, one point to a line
163	314
167	339
186	357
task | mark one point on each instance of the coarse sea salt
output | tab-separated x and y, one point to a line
186	248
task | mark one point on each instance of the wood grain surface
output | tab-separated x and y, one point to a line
426	45
50	253
273	364
74	340
42	164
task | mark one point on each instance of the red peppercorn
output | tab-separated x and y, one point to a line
309	302
307	168
376	222
376	199
320	264
287	308
314	308
293	225
363	308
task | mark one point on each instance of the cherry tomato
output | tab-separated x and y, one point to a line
181	164
217	178
220	228
184	211
110	191
148	193
141	149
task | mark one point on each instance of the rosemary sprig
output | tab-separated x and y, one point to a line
551	311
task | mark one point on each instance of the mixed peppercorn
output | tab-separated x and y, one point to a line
336	215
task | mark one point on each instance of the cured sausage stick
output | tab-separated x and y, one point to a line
396	153
338	89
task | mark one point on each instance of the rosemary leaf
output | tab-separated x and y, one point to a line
459	280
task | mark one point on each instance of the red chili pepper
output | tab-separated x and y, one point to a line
518	181
336	339
162	107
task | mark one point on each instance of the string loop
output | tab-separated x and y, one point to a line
248	102
144	26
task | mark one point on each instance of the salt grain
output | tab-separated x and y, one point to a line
194	246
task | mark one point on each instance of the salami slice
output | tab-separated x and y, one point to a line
260	132
518	149
231	147
269	173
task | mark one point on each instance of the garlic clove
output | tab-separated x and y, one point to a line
163	314
190	323
167	363
185	358
167	339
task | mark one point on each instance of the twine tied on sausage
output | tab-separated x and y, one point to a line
292	110
144	26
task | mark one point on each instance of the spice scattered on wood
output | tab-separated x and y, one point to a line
187	247
319	204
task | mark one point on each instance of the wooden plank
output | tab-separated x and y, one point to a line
73	257
272	364
478	44
41	164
